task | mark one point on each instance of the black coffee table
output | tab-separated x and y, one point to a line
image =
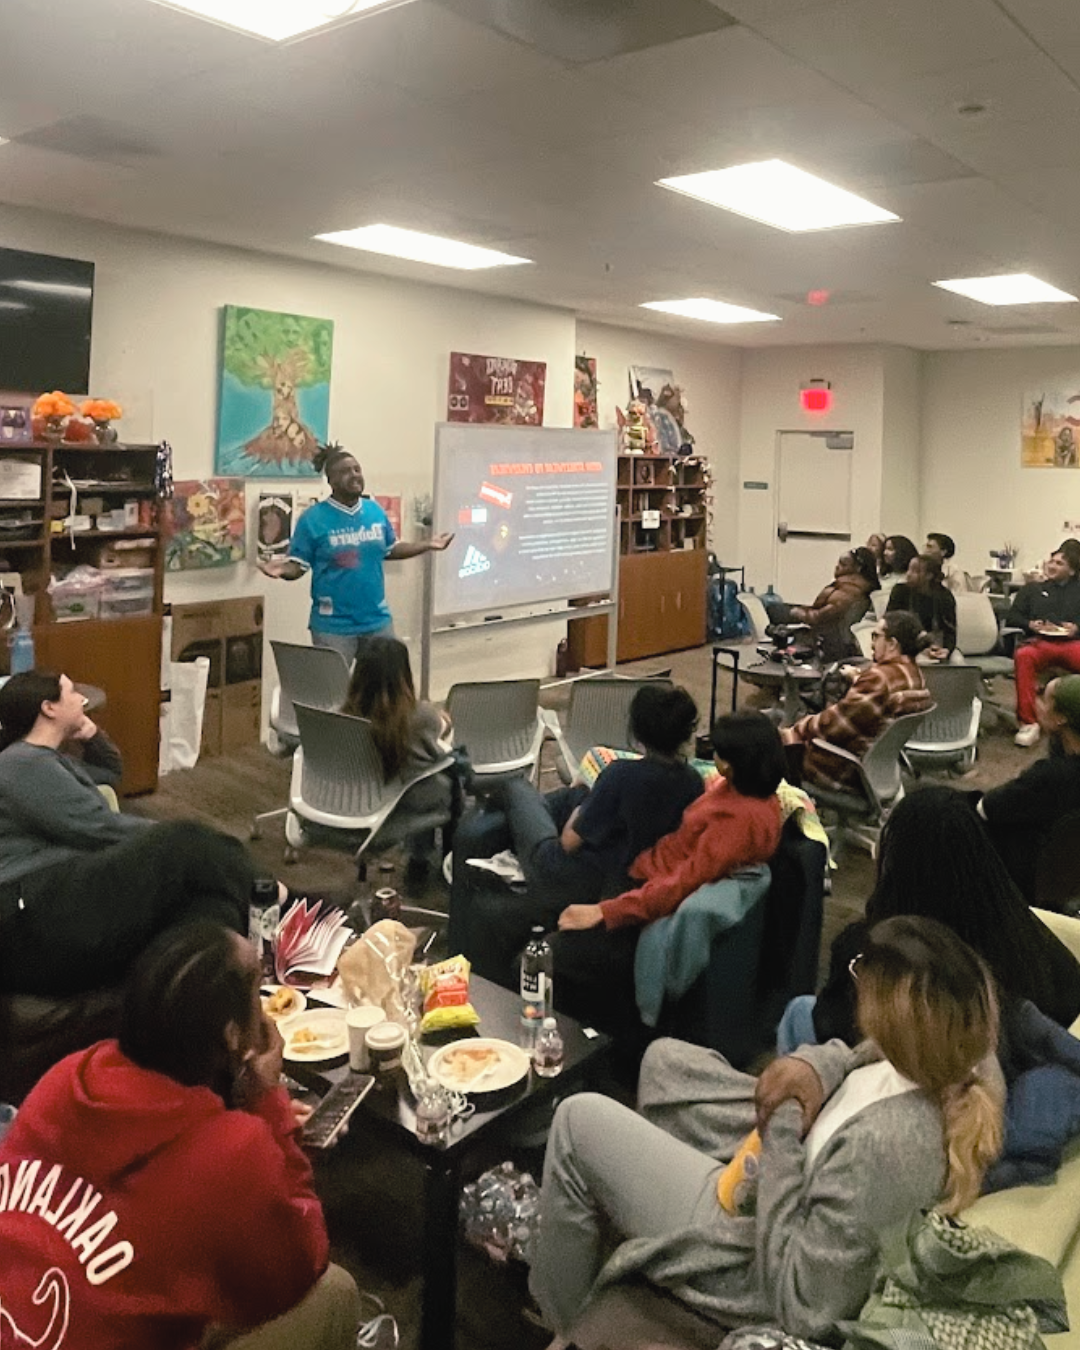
389	1107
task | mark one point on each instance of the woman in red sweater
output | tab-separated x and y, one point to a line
734	824
154	1187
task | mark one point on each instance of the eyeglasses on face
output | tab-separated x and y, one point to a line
853	967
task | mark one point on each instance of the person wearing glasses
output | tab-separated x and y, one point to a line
852	1143
890	687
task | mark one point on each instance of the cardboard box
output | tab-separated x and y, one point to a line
242	615
211	727
241	715
195	623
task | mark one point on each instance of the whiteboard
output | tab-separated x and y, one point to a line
532	511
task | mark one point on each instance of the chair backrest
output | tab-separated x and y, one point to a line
863	633
495	720
599	713
976	624
756	613
955	691
315	676
342	771
881	762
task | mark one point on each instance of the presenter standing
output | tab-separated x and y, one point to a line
343	542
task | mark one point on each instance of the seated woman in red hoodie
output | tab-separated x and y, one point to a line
155	1187
735	823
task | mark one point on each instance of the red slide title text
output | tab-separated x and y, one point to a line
549	466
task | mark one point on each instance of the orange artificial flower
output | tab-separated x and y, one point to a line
101	410
56	404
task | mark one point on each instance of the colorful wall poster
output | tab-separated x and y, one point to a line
392	507
586	390
1050	429
496	389
205	524
274	524
274	407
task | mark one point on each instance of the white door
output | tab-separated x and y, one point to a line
813	509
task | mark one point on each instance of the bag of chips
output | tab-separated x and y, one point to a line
446	996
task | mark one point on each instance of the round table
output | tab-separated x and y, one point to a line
789	679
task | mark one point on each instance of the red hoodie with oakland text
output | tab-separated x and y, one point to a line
135	1211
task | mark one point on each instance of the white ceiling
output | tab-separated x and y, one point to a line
129	112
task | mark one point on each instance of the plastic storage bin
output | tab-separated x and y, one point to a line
127	591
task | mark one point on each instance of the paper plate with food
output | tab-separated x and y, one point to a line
1055	630
480	1064
314	1036
279	1001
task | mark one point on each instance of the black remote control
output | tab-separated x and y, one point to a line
329	1117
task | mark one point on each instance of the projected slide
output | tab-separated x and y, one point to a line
532	511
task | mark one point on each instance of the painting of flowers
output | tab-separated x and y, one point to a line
205	524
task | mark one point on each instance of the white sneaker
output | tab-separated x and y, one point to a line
1028	734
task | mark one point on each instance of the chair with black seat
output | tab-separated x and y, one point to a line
599	714
339	798
876	783
315	676
498	723
949	736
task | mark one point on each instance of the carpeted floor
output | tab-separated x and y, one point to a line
373	1194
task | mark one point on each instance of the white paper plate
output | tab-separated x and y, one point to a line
478	1064
298	1004
327	1024
1054	632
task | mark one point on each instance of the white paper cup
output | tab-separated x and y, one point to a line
360	1021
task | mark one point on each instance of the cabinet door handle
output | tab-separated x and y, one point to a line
678	599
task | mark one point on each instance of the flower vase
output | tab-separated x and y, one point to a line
53	431
104	432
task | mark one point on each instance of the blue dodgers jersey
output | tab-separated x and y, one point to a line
345	547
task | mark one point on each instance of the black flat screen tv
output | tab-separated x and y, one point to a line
46	305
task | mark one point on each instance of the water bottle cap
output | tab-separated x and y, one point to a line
538	928
549	1024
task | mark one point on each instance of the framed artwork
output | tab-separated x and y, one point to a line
392	507
275	518
1050	429
647	381
274	402
586	390
15	420
496	389
205	524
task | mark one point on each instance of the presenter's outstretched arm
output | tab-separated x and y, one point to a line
435	544
282	569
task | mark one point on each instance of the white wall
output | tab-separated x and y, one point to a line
770	404
972	484
710	376
156	334
901	491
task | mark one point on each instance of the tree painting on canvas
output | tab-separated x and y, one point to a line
1050	429
275	393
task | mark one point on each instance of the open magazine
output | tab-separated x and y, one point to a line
308	942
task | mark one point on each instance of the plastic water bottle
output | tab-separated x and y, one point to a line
537	964
264	913
22	651
547	1053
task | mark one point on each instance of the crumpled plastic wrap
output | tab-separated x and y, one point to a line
371	969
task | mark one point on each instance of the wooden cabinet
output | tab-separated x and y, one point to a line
662	608
663	504
108	494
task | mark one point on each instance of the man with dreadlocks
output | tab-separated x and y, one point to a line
343	542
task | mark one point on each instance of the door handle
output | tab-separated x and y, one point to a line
782	531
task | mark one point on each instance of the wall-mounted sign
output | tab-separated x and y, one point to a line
752	486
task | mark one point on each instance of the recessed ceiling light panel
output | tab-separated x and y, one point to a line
1018	288
277	19
417	247
779	194
711	311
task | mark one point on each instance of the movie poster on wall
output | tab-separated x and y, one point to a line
275	525
1050	429
496	389
586	393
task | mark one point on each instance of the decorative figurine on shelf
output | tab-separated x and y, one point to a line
637	434
671	404
103	413
49	415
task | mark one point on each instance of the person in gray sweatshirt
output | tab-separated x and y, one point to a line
84	889
849	1143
